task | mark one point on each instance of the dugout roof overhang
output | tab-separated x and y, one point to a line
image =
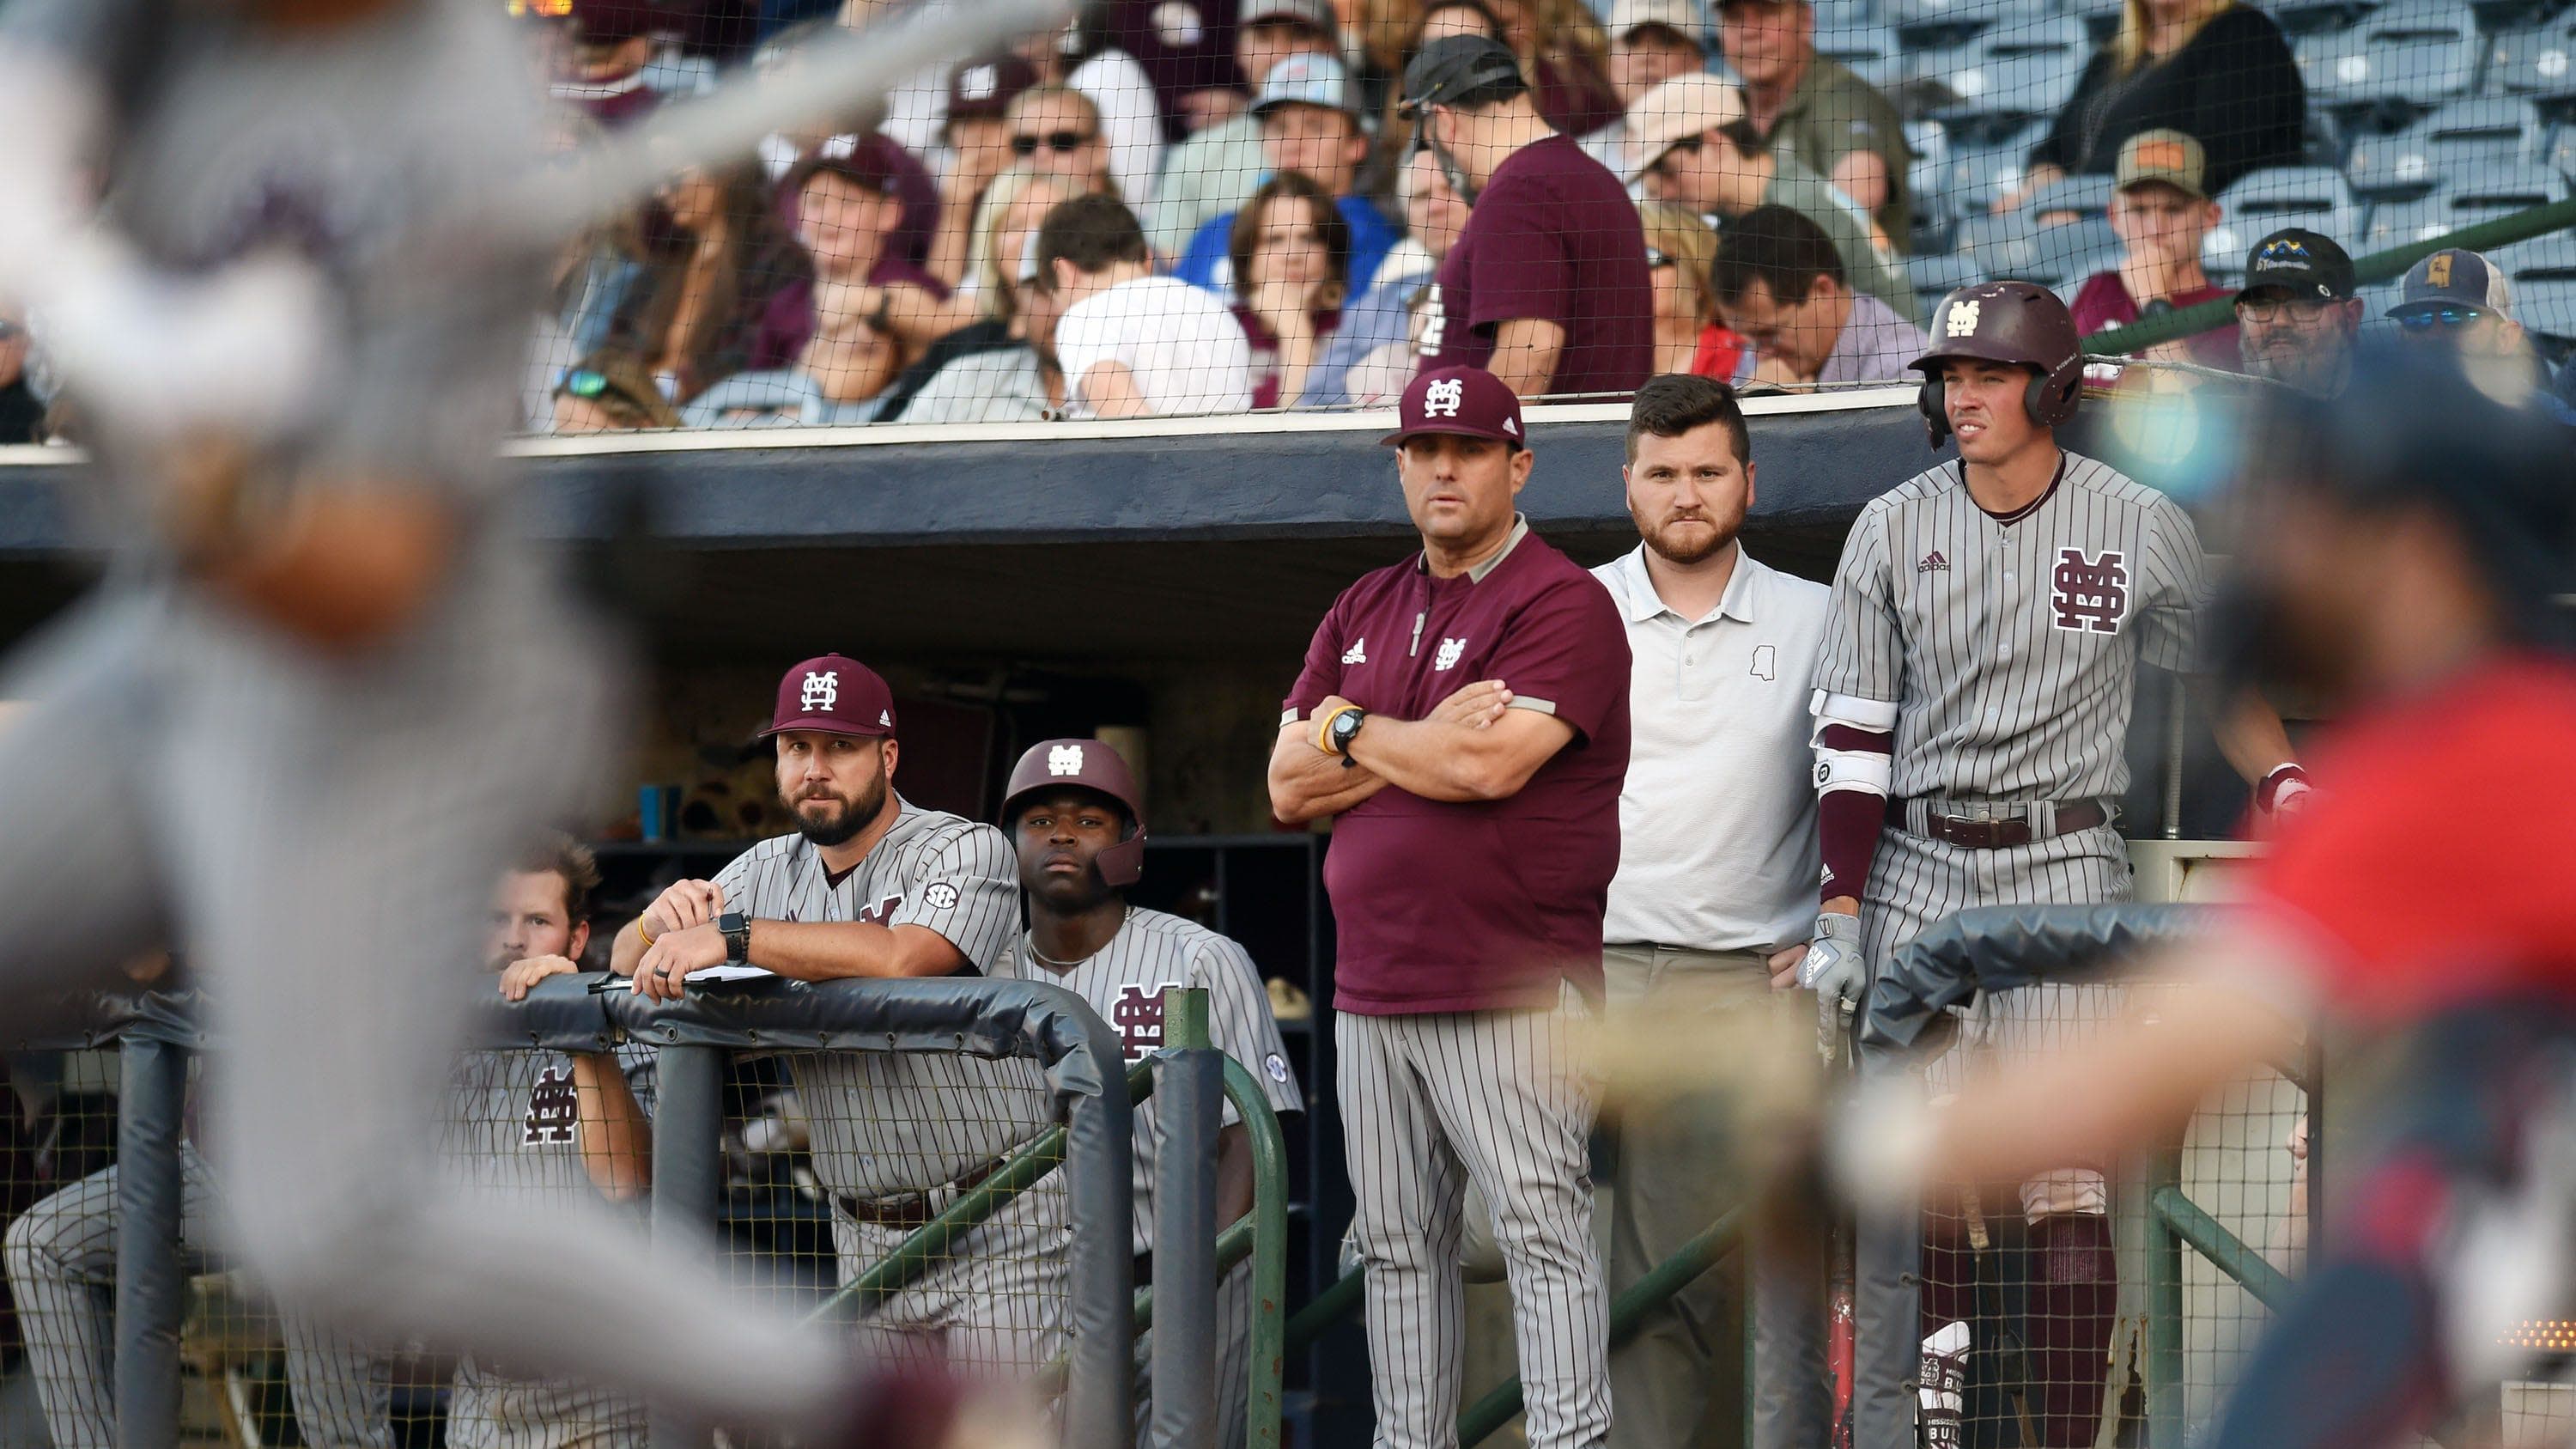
1169	539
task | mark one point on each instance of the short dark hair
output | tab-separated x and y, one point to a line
555	853
1681	402
1782	249
1331	228
1093	232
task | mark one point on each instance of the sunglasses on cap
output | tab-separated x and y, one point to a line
585	382
1060	142
2433	318
1656	259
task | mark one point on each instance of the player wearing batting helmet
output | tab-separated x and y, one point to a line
1971	713
1075	816
1464	714
2418	539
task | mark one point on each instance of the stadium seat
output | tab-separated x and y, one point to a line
2560	152
2412	52
2543	258
2547	306
2315	197
1947	22
2424	156
2492	192
1980	170
1844	15
1872	51
2088	196
2016	245
2006	75
1926	181
1936	276
2537	60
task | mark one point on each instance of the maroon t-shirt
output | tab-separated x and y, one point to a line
787	323
1553	236
2104	301
1490	904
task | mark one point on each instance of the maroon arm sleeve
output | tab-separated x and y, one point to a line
1848	821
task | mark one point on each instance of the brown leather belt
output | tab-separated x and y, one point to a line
1997	833
906	1211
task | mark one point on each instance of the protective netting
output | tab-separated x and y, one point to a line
2057	1309
1773	191
839	1159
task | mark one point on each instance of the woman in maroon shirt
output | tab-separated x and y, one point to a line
1291	252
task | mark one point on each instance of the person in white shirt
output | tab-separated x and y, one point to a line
1717	878
1133	344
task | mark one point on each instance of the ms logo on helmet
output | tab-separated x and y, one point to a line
1064	760
1960	320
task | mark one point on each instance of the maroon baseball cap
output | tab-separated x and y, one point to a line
835	694
1467	401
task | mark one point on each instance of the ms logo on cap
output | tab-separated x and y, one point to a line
1960	320
822	690
1442	399
1064	760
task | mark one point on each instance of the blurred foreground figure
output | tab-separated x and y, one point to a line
2412	537
326	687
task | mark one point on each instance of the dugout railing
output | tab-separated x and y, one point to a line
2193	1287
155	1035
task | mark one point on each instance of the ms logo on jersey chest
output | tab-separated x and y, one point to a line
1448	655
2089	593
1138	1015
554	1112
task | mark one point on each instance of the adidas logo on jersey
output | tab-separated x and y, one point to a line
1357	653
1933	563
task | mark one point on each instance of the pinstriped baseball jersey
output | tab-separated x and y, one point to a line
513	1128
1125	983
2009	645
884	1122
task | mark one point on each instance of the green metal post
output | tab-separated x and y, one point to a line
929	1244
1269	1249
2229	1253
1627	1314
1322	1311
2164	1305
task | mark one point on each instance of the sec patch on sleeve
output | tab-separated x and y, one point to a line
939	896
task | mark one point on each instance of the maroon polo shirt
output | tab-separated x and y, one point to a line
1554	237
1483	905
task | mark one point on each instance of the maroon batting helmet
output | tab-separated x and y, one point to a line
1087	765
2020	323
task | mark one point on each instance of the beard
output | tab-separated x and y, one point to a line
838	827
1669	543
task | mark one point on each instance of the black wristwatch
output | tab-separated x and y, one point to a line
2156	308
736	929
1346	726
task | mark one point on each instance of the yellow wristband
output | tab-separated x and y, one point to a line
1324	729
641	932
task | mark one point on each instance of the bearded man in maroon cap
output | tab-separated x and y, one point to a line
872	885
1464	714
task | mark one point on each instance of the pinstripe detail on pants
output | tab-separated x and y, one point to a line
1504	1099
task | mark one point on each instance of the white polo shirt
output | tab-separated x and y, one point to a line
1717	821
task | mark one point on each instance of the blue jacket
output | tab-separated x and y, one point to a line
1205	263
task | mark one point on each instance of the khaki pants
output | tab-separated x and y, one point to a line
1670	1186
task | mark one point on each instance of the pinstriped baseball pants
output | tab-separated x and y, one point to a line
1504	1099
1915	882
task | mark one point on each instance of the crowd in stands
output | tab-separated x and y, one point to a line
1318	198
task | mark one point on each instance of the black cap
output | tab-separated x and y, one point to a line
2301	263
1451	67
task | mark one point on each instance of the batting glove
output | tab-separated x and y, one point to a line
1833	969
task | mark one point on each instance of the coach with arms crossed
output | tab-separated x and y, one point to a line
1465	713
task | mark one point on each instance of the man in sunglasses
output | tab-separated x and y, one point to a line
1691	142
2457	299
2297	318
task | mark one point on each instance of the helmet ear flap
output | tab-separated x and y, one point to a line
2053	394
1932	401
